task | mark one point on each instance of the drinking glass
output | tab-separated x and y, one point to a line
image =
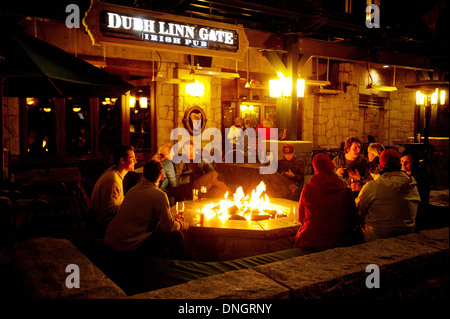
295	214
180	208
195	194
203	191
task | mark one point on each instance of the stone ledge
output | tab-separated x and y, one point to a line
341	272
40	267
417	261
436	238
417	258
239	284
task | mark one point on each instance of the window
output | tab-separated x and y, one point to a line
78	137
41	120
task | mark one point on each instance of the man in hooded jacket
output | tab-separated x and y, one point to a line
327	209
389	203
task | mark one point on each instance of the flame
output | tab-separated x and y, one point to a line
240	205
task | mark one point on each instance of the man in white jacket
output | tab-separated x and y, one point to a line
389	203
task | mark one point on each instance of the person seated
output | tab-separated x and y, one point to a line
193	172
107	194
410	165
388	204
237	141
293	169
373	153
265	131
144	225
165	157
351	165
327	210
235	132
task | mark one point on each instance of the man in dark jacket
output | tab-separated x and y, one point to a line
293	169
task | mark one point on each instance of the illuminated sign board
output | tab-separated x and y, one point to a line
113	24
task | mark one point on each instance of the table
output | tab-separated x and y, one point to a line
232	239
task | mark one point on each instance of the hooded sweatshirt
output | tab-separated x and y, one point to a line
389	204
327	213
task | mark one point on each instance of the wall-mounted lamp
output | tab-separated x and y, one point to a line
384	88
375	77
195	89
76	109
283	87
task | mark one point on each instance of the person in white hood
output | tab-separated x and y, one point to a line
389	203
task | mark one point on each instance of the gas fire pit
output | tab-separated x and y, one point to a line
243	226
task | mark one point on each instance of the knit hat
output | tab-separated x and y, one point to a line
321	162
390	159
288	149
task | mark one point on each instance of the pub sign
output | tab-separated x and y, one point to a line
119	25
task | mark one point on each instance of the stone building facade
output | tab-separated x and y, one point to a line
328	116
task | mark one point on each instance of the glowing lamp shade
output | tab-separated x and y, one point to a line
434	97
143	102
245	108
132	101
283	87
442	97
195	89
420	98
437	97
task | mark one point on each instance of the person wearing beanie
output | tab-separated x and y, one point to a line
293	169
327	210
388	205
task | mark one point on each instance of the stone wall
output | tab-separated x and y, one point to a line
330	116
411	266
36	269
172	102
11	129
399	118
327	119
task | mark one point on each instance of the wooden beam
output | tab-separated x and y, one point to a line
267	41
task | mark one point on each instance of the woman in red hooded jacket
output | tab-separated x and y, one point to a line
327	210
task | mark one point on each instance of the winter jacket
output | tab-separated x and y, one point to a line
389	205
327	213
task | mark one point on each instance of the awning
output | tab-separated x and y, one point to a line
30	67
